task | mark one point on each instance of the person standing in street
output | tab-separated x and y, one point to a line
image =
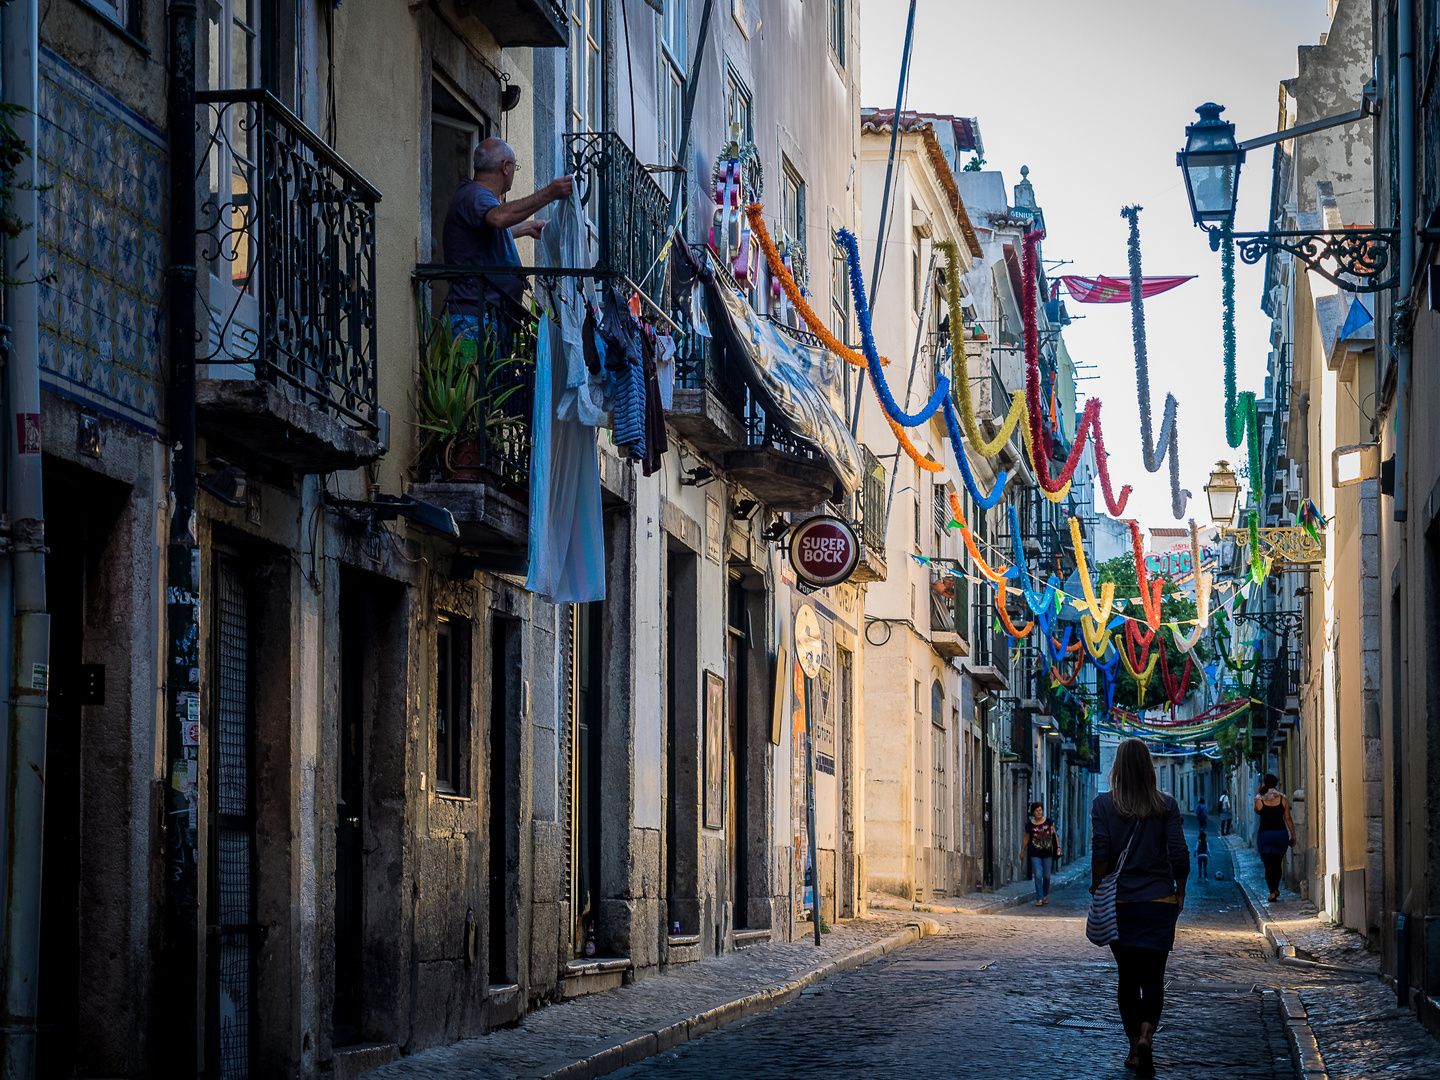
1202	855
1136	818
1202	815
1224	807
1042	847
1277	831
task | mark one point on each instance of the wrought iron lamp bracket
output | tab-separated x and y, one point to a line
1360	256
1281	623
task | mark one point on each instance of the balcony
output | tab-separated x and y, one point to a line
868	507
538	24
286	365
992	405
989	662
628	209
949	612
474	405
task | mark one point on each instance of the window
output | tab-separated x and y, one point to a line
915	283
671	78
937	764
452	699
942	515
119	12
455	131
586	78
232	37
792	202
917	514
839	295
837	30
737	107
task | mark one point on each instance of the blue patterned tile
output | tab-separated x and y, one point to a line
72	300
152	193
152	266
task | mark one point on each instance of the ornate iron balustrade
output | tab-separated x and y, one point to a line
1360	256
288	234
872	500
949	607
493	341
629	210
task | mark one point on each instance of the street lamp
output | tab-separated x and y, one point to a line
1211	164
1223	493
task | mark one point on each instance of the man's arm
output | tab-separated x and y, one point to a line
517	210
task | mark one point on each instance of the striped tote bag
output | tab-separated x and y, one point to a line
1100	925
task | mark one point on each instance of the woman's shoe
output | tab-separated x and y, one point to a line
1045	901
1039	902
1274	896
1144	1062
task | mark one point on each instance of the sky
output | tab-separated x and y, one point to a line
1094	98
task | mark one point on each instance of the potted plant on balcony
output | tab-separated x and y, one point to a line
463	399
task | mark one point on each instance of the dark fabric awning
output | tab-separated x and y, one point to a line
785	374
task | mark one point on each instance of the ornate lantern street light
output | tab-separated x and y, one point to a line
1356	259
1223	493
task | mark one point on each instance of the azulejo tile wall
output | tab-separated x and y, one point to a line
101	248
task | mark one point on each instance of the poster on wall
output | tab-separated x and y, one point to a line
714	751
825	702
798	810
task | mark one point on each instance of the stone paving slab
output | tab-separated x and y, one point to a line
1358	1030
593	1035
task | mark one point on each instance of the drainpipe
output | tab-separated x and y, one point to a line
1405	122
176	1032
30	659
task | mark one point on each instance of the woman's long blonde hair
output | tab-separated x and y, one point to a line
1132	782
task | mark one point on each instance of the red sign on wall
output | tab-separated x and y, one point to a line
824	551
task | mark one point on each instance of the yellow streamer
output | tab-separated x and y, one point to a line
1101	609
1097	640
1142	678
1203	583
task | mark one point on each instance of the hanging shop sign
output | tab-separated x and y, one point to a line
824	551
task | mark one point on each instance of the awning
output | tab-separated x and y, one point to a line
786	376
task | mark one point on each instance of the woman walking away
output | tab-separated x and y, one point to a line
1277	831
1224	808
1042	847
1136	820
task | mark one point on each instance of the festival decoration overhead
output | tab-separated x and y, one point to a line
1169	426
1113	290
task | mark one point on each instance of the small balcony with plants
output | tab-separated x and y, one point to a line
286	357
473	405
949	610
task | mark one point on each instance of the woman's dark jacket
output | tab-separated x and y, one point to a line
1158	856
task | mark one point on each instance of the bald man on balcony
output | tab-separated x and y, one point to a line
480	229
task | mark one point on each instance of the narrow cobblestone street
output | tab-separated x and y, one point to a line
1022	994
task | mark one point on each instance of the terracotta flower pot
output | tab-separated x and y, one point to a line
465	458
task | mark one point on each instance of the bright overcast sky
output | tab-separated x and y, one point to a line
1094	98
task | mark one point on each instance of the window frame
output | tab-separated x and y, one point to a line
450	760
737	93
837	25
671	58
587	76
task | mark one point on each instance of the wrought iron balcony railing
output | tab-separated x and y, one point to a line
477	375
872	500
949	602
628	209
287	233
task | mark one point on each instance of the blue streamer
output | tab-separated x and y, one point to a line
1040	606
982	499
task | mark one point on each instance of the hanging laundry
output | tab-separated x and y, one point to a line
665	350
656	439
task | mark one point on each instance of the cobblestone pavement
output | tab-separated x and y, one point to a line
572	1031
1006	896
1020	994
1358	1028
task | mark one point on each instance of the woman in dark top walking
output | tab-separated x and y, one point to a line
1041	847
1277	832
1150	892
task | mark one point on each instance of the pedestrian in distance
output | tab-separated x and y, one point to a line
1224	807
1277	831
1202	855
1138	823
1202	816
1042	847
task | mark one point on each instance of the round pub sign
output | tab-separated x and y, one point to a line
824	551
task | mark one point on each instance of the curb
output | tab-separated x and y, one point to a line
637	1048
1304	1051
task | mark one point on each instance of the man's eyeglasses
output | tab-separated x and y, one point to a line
513	164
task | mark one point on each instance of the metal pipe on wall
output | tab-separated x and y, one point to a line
1400	328
178	1052
30	659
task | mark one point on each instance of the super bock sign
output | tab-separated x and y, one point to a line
824	551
